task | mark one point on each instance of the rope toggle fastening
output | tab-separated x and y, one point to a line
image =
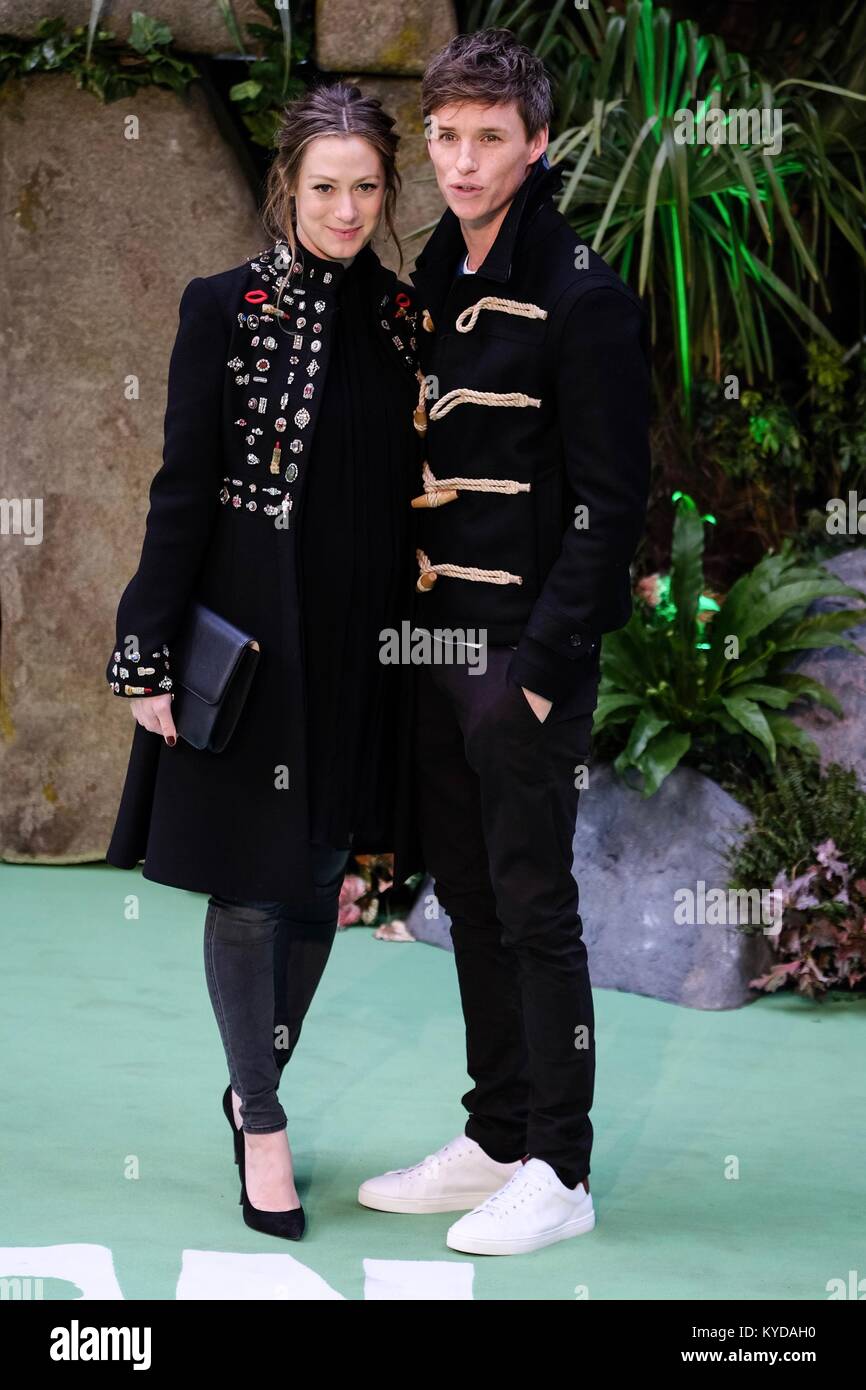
505	306
427	577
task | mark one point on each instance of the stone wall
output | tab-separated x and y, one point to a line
197	27
394	38
103	233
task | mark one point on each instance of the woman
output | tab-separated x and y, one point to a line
283	503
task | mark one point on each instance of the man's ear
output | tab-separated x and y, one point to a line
540	142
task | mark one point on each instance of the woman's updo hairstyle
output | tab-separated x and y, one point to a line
338	108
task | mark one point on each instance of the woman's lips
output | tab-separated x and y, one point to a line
346	234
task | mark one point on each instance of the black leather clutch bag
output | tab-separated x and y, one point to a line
213	664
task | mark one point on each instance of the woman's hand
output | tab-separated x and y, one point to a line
153	712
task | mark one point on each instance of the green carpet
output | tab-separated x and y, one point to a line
114	1136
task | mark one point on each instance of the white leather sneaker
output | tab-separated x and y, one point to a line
455	1178
533	1209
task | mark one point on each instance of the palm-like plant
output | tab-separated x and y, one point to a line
715	235
676	686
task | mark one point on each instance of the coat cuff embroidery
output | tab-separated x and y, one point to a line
140	675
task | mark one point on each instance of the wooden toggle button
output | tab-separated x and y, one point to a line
435	499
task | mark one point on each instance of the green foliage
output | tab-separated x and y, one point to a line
827	375
719	236
661	607
101	64
111	70
801	807
837	426
756	436
678	693
838	414
270	83
761	436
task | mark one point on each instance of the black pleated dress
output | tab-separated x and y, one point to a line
357	566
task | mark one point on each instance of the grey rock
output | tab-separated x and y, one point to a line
631	855
428	921
839	740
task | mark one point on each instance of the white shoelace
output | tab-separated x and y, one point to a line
513	1194
428	1167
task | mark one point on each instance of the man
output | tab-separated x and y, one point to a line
535	487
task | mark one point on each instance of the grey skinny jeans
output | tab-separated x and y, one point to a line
263	962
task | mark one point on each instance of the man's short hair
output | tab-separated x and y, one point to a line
488	67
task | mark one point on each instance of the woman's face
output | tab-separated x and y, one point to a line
339	196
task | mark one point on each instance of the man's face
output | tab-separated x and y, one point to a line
481	155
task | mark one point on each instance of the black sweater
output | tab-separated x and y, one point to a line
356	562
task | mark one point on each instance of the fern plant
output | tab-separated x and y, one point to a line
685	685
801	808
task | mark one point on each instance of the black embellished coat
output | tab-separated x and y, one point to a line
225	527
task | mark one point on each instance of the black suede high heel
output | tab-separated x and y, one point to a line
237	1134
288	1224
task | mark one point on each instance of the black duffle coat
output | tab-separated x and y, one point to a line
225	528
537	384
538	372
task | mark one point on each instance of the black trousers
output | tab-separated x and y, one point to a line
498	804
263	962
